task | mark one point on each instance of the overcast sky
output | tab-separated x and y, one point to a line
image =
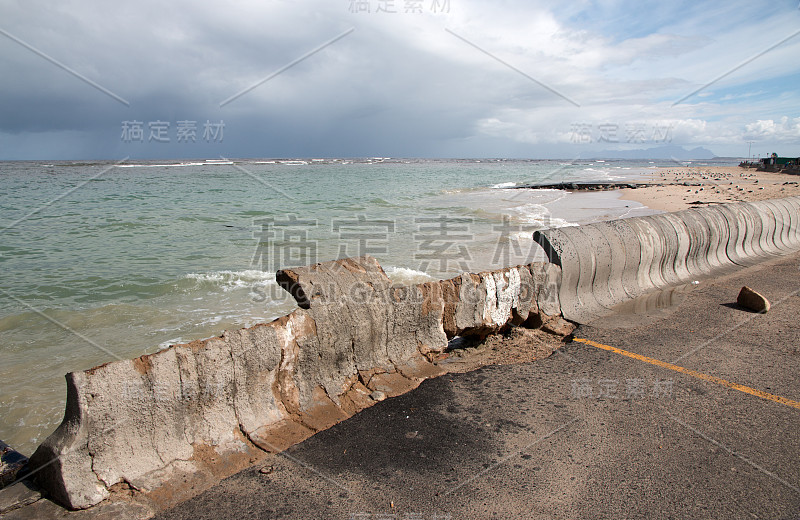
437	78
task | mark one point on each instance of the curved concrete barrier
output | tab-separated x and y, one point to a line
209	407
606	263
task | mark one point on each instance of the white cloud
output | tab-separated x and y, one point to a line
783	130
400	82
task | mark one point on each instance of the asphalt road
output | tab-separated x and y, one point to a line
585	433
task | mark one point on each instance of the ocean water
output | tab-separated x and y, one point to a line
102	261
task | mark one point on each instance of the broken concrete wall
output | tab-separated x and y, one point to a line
144	423
148	422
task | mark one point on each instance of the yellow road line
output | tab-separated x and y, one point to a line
693	373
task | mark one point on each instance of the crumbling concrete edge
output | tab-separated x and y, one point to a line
201	411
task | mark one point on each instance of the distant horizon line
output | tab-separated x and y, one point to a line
211	160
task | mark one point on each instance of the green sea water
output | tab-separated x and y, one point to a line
102	261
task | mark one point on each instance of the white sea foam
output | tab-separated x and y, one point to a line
406	276
538	215
230	280
172	165
523	236
211	320
166	344
603	174
216	161
504	185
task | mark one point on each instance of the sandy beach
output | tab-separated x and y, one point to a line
674	189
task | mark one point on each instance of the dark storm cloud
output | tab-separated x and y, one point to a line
397	84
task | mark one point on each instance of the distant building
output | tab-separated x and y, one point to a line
776	163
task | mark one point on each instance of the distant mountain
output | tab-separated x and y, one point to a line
661	152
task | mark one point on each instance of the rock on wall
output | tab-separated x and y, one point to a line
145	422
11	462
607	263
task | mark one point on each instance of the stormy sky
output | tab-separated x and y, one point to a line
436	78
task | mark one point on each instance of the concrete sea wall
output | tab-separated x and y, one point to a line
212	406
608	263
145	424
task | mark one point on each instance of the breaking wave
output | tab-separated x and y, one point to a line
230	280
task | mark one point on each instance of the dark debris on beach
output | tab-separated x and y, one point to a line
585	186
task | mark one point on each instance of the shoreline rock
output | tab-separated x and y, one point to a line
587	186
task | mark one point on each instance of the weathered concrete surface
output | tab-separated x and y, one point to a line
348	279
582	434
608	263
18	495
113	509
169	424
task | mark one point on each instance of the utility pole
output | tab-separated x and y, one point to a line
749	145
